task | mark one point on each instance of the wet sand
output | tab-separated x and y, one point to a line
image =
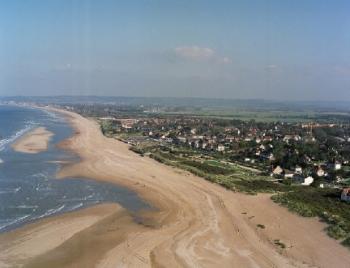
33	142
195	223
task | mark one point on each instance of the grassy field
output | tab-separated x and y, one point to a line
262	115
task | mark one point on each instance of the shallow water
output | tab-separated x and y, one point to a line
28	188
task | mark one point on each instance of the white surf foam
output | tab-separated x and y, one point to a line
24	207
4	142
15	221
51	211
76	206
10	191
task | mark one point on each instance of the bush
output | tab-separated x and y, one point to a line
207	168
336	232
346	242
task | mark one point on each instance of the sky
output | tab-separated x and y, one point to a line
248	49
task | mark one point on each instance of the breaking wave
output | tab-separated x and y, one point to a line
10	191
13	222
4	142
50	212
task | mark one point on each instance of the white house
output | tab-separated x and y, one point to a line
298	170
320	172
288	174
308	181
220	148
337	166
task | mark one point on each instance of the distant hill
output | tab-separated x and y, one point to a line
241	104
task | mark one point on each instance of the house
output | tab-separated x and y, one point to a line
267	156
286	138
299	179
307	181
277	170
337	166
197	143
182	139
204	145
298	170
220	148
345	195
288	174
320	172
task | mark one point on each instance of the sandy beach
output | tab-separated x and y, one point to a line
33	142
194	224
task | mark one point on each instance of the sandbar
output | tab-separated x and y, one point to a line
33	142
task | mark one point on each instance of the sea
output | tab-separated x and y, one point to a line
29	190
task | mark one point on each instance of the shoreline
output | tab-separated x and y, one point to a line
33	142
196	223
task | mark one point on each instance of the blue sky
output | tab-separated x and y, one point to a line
297	50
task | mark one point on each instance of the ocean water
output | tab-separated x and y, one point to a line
28	188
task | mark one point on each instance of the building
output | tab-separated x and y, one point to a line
277	170
345	195
320	172
298	170
337	166
307	181
288	174
220	148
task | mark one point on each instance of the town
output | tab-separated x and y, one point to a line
298	153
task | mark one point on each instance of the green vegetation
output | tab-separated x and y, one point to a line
277	242
346	242
261	226
323	203
106	127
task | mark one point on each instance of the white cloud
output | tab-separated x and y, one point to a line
197	53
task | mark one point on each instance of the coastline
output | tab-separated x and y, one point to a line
33	142
195	223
